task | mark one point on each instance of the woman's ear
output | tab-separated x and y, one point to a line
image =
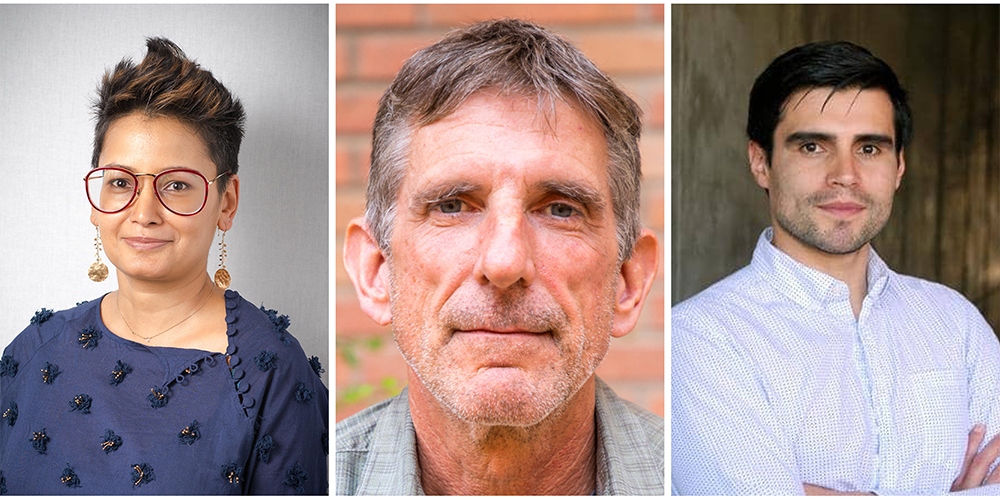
229	203
368	269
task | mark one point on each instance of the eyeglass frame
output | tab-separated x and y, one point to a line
136	191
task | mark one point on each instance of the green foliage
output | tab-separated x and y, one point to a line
350	351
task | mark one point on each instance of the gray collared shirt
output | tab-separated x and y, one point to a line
377	449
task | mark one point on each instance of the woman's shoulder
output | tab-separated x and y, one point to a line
46	325
263	336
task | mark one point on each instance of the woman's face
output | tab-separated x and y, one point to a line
145	241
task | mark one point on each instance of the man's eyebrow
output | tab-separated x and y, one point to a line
440	192
874	138
806	136
578	192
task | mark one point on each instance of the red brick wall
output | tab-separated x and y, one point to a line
372	41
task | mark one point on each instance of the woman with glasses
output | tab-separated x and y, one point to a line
171	384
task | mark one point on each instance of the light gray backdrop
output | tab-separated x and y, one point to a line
274	58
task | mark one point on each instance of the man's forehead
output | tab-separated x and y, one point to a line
821	96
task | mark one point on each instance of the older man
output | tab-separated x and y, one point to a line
816	368
501	240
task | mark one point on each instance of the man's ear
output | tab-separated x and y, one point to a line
901	167
758	164
368	270
635	282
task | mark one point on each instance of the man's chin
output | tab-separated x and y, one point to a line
502	397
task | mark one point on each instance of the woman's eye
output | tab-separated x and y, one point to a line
561	210
176	186
120	184
450	206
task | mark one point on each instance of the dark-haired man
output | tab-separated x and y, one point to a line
501	240
816	368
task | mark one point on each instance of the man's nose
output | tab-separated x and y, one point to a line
844	170
505	250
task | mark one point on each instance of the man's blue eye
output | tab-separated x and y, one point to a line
450	206
561	210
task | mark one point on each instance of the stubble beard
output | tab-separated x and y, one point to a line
509	405
839	239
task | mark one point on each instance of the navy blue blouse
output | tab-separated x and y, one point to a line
84	411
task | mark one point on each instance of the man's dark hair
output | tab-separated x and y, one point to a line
838	65
167	83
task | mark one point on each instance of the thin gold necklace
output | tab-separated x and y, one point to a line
164	331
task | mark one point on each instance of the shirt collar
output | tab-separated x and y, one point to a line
622	466
806	286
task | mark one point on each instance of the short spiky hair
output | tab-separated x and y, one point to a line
167	83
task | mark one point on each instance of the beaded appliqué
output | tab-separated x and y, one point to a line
110	442
69	478
232	472
142	474
49	373
81	403
121	369
38	441
8	367
296	477
10	414
158	398
189	434
89	337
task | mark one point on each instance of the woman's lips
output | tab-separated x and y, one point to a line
141	243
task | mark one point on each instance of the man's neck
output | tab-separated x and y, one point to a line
851	268
557	456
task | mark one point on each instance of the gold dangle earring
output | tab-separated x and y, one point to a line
222	278
98	271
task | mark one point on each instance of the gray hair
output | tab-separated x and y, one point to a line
516	58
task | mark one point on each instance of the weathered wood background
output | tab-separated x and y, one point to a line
946	219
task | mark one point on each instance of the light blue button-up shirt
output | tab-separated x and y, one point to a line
775	383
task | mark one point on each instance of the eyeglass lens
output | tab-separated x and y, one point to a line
181	191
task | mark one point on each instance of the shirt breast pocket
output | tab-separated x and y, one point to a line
939	431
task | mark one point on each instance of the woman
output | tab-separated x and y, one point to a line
171	384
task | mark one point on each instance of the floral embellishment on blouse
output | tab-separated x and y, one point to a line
295	477
10	414
69	478
41	316
280	323
263	448
81	403
265	360
8	367
189	434
121	369
316	365
304	394
110	442
142	474
49	372
232	472
89	337
38	441
158	398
